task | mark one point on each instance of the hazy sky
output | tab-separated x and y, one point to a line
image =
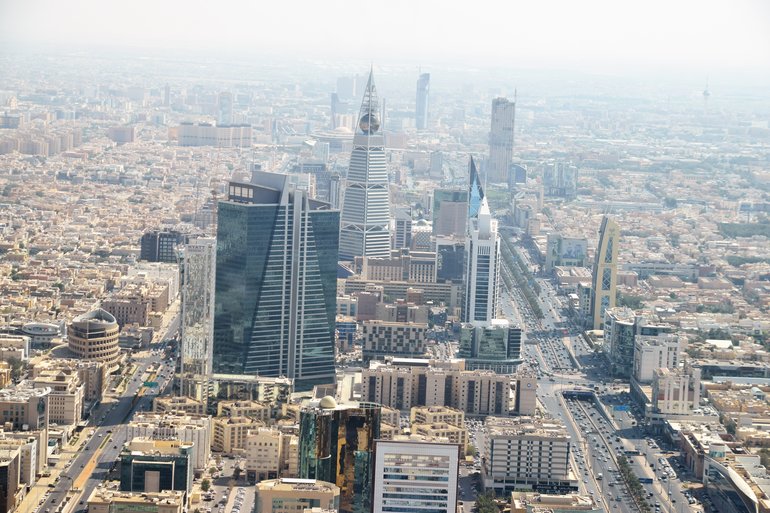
596	35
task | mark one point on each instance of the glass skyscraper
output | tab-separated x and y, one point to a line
276	282
365	223
197	316
335	445
475	191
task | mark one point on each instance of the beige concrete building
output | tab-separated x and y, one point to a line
434	414
291	455
402	265
5	374
410	382
178	404
94	336
129	309
266	456
191	429
522	452
230	433
253	409
389	431
442	431
14	346
93	375
65	403
293	495
401	311
25	406
32	453
109	499
525	402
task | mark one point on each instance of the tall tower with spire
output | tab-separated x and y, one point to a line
365	220
482	256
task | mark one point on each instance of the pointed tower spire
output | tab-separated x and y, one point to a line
368	116
365	216
475	191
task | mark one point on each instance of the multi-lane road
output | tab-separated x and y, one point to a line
563	360
100	451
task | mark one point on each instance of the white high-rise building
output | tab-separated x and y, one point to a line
662	351
198	316
365	219
412	475
482	267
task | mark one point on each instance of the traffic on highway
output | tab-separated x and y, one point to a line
565	362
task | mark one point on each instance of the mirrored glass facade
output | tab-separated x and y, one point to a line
197	316
276	283
336	445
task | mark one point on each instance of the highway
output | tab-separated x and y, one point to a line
92	465
563	360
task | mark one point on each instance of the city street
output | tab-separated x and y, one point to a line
101	448
564	361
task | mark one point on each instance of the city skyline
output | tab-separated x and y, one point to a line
224	251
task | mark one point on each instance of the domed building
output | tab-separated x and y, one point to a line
94	336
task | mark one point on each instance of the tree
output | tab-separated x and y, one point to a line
17	368
485	503
470	450
205	485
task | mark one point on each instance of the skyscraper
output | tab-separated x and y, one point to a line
366	205
501	140
197	316
335	445
605	272
421	109
482	258
276	282
402	219
225	109
450	212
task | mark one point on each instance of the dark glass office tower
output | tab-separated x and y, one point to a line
335	445
276	282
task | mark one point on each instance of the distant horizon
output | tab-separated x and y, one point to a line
658	38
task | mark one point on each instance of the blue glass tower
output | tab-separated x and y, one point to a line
276	283
475	191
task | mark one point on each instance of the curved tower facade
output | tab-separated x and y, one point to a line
605	275
365	219
94	336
